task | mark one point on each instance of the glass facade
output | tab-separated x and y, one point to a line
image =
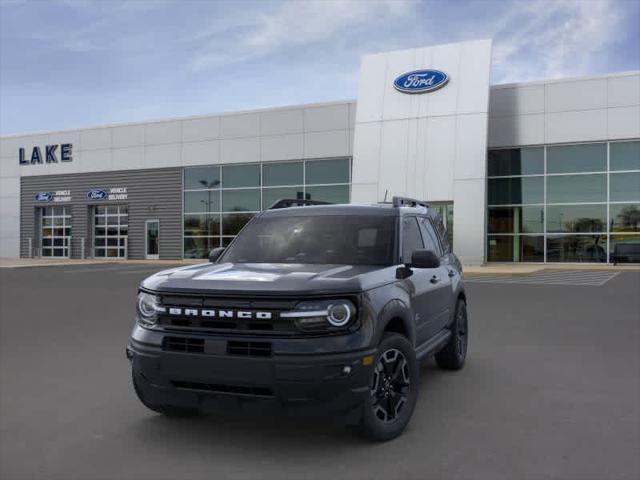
219	200
564	203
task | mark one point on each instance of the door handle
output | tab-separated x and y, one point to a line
435	279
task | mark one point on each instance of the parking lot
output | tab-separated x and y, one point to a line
551	390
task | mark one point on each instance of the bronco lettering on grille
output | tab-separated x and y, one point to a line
209	313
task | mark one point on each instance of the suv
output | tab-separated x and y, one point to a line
317	307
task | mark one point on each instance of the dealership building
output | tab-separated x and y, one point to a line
544	171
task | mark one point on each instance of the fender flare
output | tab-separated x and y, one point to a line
395	309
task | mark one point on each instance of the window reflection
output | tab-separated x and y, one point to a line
199	247
233	223
287	173
590	157
624	217
576	188
576	218
625	187
515	248
516	191
515	161
241	200
516	220
272	195
201	177
625	248
199	225
577	248
335	194
327	171
625	155
203	201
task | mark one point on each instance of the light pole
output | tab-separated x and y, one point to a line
209	186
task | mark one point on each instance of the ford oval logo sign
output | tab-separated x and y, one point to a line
97	195
44	196
420	81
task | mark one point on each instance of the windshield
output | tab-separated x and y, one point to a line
331	239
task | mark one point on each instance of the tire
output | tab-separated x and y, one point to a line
395	382
454	353
167	410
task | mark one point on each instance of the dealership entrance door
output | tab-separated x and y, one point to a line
110	231
152	239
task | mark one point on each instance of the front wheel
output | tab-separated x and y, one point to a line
393	389
454	353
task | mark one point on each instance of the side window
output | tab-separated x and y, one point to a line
430	238
441	231
411	238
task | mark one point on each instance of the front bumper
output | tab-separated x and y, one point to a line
333	383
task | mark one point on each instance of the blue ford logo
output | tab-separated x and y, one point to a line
420	81
97	195
44	196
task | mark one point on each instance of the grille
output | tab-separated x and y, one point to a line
182	344
217	388
274	326
249	349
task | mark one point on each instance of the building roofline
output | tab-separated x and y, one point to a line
303	106
566	79
186	118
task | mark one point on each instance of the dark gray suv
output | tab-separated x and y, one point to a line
325	308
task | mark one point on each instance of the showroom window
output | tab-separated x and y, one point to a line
219	200
564	203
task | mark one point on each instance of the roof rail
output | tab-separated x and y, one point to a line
408	202
295	202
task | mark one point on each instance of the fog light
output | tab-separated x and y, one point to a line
368	360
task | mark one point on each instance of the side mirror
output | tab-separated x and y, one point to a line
215	254
424	259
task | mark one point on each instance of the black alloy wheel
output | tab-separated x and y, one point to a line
393	389
391	384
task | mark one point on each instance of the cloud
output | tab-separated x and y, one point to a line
550	39
288	25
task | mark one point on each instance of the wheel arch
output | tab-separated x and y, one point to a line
396	317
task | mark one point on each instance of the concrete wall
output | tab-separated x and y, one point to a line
569	110
301	132
430	146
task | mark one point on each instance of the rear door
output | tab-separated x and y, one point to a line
422	291
440	280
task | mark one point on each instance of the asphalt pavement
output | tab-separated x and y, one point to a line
551	390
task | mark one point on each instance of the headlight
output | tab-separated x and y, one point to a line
323	315
148	307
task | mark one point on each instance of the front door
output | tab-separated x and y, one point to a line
152	239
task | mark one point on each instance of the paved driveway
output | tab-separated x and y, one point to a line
551	390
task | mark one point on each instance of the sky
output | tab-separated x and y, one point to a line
79	63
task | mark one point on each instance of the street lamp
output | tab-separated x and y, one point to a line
209	186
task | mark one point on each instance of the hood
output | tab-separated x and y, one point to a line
269	278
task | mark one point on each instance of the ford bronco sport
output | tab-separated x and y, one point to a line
328	307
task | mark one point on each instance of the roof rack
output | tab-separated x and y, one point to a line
295	202
408	202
